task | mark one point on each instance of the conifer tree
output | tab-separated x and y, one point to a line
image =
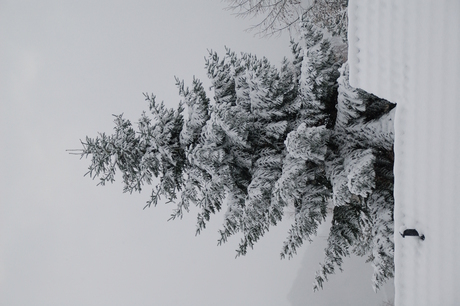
299	137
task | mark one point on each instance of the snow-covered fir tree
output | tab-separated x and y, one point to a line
297	138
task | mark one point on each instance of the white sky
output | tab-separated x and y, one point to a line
65	67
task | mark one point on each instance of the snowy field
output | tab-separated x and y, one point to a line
408	52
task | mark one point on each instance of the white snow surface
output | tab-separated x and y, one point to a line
408	52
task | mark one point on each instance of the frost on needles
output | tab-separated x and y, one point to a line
298	138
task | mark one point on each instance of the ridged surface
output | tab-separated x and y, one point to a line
408	52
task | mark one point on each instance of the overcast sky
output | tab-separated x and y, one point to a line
65	68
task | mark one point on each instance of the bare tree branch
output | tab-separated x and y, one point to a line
280	15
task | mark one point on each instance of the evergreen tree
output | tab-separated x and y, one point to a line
299	137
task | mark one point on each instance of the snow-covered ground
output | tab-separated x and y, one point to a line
409	53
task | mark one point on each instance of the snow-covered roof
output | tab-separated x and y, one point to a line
408	52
